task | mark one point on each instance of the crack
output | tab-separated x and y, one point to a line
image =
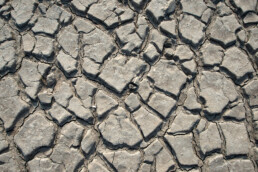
193	80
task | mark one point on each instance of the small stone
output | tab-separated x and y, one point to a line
89	142
183	123
182	145
124	160
211	54
235	145
169	28
167	76
237	112
237	63
28	42
76	106
59	114
45	25
104	103
44	46
67	63
251	89
162	104
195	8
151	54
223	30
118	130
119	72
35	133
189	25
132	102
210	139
147	122
158	9
191	102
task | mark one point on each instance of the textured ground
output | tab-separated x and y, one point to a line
137	85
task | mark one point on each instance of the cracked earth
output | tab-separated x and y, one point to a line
128	85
